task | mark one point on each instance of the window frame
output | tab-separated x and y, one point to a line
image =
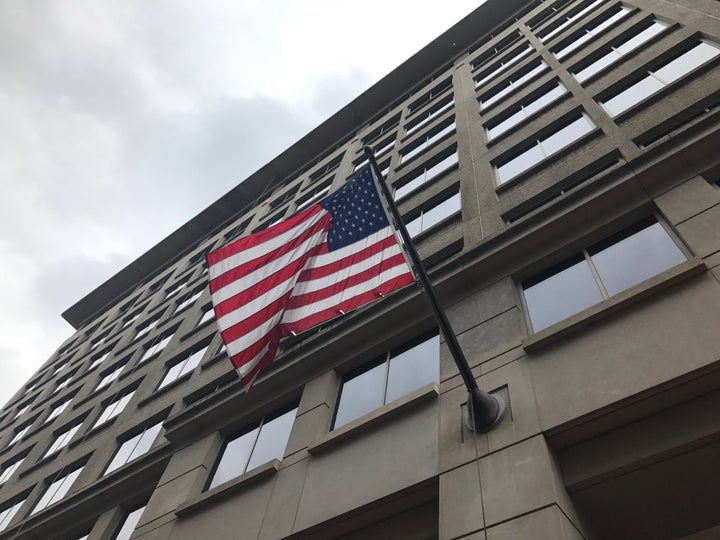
384	358
248	428
649	71
620	233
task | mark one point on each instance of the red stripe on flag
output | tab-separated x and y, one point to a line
241	270
350	281
346	306
354	258
260	237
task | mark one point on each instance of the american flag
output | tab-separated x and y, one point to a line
334	257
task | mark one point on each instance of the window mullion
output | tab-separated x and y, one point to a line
254	444
595	274
385	380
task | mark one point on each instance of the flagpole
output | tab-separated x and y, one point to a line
484	410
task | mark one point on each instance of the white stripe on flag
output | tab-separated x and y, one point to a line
352	249
304	287
253	252
294	315
249	366
251	279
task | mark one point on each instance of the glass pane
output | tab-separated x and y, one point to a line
234	458
441	211
172	374
272	440
520	163
601	63
636	258
413	368
544	100
414	227
361	395
441	166
684	64
410	186
193	361
561	295
506	124
634	42
632	95
123	454
146	441
566	136
129	524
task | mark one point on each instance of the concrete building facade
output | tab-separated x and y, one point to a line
557	163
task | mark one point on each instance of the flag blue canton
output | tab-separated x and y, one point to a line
356	210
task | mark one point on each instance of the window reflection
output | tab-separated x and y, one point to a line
399	372
262	443
602	270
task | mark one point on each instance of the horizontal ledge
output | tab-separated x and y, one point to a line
607	307
374	418
225	489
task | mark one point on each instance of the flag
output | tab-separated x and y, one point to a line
333	257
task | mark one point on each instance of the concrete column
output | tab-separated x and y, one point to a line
516	492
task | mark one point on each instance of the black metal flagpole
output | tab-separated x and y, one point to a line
485	410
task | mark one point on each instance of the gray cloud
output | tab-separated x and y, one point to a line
121	120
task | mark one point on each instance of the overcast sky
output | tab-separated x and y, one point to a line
122	120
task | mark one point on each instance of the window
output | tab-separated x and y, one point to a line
424	119
24	407
57	490
425	142
547	13
109	377
7	515
208	314
135	447
61	441
98	360
314	195
10	469
129	524
660	77
496	49
389	377
380	148
543	147
127	321
156	346
324	169
554	29
381	130
57	410
189	299
98	341
512	84
146	327
429	96
276	202
19	434
434	214
235	232
602	270
503	65
591	31
63	383
113	409
263	442
424	175
184	366
175	288
620	50
525	110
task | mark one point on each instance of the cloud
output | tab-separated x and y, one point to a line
122	120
